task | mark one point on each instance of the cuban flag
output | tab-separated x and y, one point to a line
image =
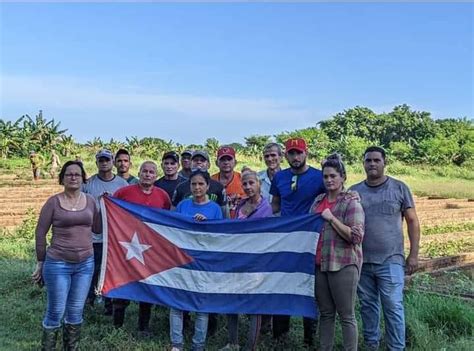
260	266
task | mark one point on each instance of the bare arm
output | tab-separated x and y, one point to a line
44	223
413	226
276	204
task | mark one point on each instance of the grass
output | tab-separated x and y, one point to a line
444	181
440	247
448	228
433	323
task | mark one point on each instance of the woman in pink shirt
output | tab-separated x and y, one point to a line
67	265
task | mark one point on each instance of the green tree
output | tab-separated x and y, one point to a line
212	144
319	144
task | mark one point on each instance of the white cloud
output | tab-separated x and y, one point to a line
73	94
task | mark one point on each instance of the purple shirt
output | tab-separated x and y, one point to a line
263	209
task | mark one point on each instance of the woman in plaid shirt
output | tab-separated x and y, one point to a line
338	255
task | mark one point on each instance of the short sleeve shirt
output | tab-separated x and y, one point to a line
384	206
169	185
210	209
96	187
234	192
297	192
265	184
157	198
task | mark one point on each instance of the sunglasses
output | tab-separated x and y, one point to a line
294	183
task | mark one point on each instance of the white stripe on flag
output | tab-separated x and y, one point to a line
299	242
234	283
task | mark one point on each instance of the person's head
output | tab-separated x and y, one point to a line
32	153
104	160
226	159
295	152
122	161
147	174
272	155
199	182
170	163
186	160
250	183
72	175
374	162
200	160
334	173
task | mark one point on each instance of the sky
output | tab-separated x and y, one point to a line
187	72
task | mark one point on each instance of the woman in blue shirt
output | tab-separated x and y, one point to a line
200	208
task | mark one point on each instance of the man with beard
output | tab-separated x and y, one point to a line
294	190
386	202
123	164
142	193
104	182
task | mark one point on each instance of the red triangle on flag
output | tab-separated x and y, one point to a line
134	250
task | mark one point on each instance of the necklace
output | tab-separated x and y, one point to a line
74	205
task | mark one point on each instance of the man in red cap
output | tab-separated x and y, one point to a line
228	177
294	190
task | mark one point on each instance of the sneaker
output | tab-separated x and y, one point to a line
230	347
175	349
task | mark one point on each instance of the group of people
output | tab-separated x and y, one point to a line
360	251
37	162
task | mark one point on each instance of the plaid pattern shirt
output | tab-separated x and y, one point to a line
336	252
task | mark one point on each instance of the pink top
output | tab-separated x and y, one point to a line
72	230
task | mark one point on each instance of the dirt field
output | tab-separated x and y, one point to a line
17	196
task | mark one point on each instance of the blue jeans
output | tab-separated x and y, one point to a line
67	285
176	330
382	283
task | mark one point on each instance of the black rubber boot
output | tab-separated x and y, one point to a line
49	339
144	315
119	316
309	326
71	337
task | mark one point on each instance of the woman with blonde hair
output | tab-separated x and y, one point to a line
252	207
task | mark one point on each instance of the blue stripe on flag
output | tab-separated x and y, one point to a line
287	262
177	220
294	305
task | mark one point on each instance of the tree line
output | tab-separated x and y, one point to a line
409	136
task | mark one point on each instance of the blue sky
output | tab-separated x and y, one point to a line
187	72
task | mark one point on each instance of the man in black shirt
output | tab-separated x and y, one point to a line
171	178
216	192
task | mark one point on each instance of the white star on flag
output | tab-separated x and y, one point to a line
134	248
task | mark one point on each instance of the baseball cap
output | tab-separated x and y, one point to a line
225	151
104	153
170	154
187	152
201	153
296	144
